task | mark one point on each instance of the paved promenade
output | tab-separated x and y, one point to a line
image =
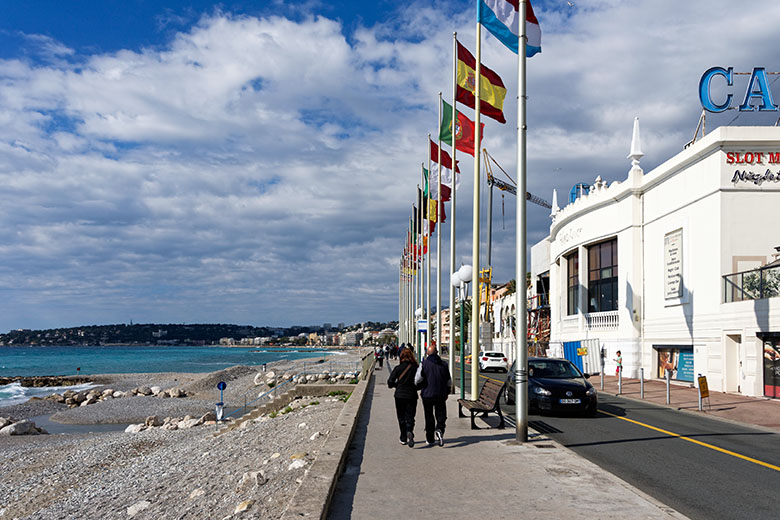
477	474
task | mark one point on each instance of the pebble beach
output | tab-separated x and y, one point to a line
249	471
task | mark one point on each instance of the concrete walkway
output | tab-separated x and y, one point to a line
755	411
536	480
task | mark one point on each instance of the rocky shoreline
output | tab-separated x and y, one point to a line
249	471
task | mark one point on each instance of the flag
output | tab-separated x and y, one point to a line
446	174
434	214
492	92
464	130
502	19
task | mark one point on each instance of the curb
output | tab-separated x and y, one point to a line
313	496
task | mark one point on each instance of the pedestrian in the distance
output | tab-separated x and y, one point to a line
619	361
402	379
433	379
380	356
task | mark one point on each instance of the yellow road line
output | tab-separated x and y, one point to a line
700	443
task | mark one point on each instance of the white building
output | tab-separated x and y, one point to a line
647	265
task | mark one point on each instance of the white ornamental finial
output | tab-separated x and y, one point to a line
555	209
636	151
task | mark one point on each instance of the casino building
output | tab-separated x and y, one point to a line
678	267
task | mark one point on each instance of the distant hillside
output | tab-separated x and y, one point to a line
158	334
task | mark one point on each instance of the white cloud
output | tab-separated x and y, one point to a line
261	170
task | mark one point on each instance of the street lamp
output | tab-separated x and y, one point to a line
459	279
418	314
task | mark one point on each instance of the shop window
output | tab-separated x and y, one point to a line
573	285
771	357
603	277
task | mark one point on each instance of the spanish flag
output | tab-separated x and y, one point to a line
492	92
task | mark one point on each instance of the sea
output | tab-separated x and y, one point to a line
85	361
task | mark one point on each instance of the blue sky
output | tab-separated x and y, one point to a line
256	162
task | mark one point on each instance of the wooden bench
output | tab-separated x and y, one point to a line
487	401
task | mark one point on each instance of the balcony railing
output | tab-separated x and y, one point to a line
601	320
756	284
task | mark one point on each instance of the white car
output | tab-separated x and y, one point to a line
492	361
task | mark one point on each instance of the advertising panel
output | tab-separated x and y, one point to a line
678	359
771	369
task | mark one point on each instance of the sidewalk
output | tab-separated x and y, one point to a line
755	411
536	480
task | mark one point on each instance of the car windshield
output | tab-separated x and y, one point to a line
494	354
553	369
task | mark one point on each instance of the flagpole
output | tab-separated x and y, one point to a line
521	336
475	297
410	280
439	222
429	246
452	216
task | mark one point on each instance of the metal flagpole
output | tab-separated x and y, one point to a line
428	253
452	210
439	212
521	336
475	294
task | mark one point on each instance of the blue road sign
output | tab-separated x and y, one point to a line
222	385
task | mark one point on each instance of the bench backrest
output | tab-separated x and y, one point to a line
490	393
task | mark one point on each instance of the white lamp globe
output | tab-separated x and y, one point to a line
418	312
455	279
465	273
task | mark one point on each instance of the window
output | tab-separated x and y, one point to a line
573	285
603	277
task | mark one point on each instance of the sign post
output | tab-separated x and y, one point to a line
704	391
220	405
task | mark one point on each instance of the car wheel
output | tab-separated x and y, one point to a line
507	399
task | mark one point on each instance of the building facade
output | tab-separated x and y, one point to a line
674	268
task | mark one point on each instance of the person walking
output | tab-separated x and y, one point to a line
619	361
402	379
433	379
380	356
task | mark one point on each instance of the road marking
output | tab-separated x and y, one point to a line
700	443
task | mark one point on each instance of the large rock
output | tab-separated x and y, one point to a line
135	428
144	390
153	420
188	423
4	421
20	428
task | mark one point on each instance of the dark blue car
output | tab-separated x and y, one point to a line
555	385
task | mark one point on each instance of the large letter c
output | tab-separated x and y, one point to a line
704	88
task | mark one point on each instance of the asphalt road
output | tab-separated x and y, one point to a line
705	468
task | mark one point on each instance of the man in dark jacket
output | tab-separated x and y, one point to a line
434	383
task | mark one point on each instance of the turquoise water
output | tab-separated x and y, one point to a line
58	361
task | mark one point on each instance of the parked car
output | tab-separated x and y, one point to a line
492	361
555	385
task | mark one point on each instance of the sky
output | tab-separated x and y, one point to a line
256	162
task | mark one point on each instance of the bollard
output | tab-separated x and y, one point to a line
641	383
668	386
620	380
603	355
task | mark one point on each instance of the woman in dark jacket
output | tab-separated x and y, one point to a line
402	379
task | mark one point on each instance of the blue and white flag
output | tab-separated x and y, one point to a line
502	19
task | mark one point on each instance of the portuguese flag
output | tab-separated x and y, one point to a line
464	130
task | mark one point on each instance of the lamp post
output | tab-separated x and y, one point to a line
418	313
458	284
459	279
465	273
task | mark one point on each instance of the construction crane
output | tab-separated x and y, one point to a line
503	186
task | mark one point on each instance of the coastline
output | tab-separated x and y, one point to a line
158	473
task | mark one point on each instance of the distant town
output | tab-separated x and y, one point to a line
366	333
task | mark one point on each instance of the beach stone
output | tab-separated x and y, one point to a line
208	416
79	398
5	421
144	390
270	374
107	392
302	425
296	464
244	506
250	480
155	390
188	423
135	428
197	493
315	436
298	455
138	507
117	394
153	420
276	455
19	428
259	379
